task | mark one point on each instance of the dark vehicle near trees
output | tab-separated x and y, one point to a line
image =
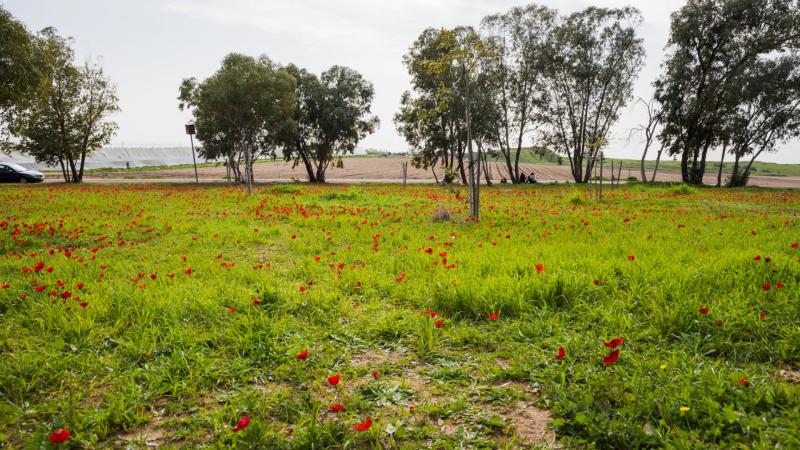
14	173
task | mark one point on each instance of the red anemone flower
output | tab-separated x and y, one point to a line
611	358
438	323
539	268
614	343
336	408
631	257
333	380
363	426
256	301
703	310
744	382
60	435
494	315
757	258
765	287
242	424
376	374
561	354
302	355
779	286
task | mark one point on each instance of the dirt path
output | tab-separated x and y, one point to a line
378	170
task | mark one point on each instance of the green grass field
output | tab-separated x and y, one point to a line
138	315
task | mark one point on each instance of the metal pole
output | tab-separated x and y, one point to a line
473	201
600	191
194	160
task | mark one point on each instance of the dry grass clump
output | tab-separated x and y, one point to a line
441	214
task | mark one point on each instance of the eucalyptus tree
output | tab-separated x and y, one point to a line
65	119
20	76
767	113
241	110
432	114
518	38
592	60
332	114
712	44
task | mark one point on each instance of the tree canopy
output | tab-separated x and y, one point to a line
715	66
241	110
332	113
540	79
64	119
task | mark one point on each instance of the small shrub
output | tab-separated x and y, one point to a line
577	199
682	189
285	189
349	195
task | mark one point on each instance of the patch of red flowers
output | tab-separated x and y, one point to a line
614	343
60	435
363	426
611	358
336	408
241	424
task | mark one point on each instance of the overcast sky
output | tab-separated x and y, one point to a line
148	46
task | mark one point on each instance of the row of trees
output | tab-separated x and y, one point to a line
539	79
51	107
533	76
252	108
730	82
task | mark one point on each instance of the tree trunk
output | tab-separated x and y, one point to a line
658	160
247	172
746	173
80	170
644	154
63	169
685	166
721	160
73	172
700	170
735	172
312	178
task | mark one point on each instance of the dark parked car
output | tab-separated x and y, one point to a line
14	173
